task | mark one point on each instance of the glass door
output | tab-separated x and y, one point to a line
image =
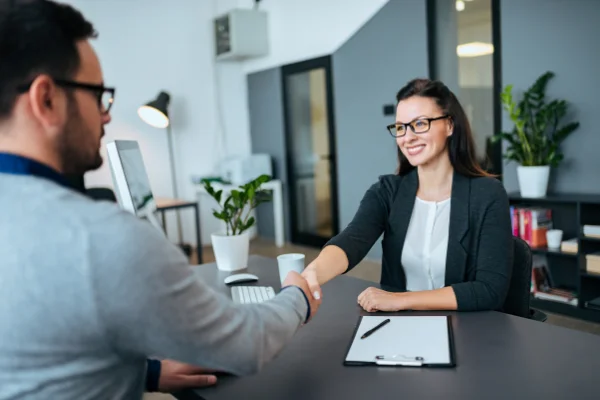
310	142
465	55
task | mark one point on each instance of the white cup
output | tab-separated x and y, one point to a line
554	238
290	262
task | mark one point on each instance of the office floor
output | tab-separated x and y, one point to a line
368	270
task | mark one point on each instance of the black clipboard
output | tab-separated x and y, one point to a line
406	363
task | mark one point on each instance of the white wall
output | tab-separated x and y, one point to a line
300	30
150	45
146	46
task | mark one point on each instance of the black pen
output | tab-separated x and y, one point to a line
370	332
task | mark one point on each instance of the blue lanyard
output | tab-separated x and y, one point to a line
18	165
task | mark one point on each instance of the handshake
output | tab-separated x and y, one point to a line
308	283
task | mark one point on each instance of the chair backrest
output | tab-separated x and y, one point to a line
518	296
100	193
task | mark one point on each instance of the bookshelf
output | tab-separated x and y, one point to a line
570	212
557	252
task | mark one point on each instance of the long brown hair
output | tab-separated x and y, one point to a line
461	146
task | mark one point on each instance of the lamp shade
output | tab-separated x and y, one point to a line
155	113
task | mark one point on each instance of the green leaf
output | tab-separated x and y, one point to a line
251	192
565	131
247	197
536	135
209	189
237	201
220	215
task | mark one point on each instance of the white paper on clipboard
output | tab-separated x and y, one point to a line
405	340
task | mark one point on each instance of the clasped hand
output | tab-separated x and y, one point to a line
310	289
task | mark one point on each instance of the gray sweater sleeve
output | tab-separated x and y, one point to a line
151	304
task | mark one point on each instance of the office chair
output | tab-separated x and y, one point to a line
96	193
100	193
518	296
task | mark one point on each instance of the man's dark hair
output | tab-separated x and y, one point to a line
37	37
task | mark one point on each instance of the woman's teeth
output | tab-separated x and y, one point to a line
414	150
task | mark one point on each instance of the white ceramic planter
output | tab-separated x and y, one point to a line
533	181
231	252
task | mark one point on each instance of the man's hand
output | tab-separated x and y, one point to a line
295	279
175	376
373	299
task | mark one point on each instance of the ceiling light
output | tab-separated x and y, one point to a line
460	5
474	49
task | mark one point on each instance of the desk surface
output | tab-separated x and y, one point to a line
497	355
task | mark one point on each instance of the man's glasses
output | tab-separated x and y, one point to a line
420	125
105	95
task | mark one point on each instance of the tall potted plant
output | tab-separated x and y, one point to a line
231	246
534	142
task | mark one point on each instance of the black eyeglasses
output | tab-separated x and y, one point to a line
419	125
105	95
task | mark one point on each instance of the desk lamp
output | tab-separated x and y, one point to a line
156	114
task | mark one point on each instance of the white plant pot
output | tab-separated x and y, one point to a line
231	252
533	181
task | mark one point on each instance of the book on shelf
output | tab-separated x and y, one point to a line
560	298
531	224
570	246
591	230
542	284
592	263
594	304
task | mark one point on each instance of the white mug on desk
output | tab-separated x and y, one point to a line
290	262
554	238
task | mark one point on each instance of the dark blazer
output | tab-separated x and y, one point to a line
480	245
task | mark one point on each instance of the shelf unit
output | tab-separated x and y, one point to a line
569	213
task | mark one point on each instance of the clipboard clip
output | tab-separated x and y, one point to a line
400	359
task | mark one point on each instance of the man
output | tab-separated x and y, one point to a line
87	291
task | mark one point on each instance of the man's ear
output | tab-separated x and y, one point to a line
46	102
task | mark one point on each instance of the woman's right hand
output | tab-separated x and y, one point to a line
310	274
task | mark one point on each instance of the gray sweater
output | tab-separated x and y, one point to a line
88	291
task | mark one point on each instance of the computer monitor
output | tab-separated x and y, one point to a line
130	179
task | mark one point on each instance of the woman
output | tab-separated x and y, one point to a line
447	241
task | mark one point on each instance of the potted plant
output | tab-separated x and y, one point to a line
231	246
534	142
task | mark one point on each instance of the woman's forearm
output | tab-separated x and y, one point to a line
438	299
331	262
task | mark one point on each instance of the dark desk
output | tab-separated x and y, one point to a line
163	205
498	356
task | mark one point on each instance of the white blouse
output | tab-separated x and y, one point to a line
426	245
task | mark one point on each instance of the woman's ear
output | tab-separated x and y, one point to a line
450	128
